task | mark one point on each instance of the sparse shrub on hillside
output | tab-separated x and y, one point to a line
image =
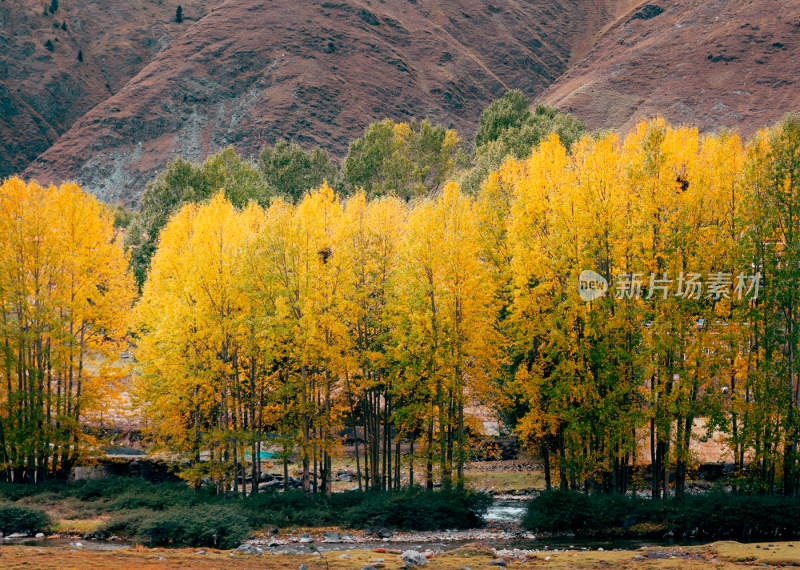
80	55
49	45
53	6
179	14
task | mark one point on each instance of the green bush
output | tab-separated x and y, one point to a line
22	518
215	526
107	487
125	523
407	509
417	509
709	515
294	507
17	491
556	511
172	513
161	496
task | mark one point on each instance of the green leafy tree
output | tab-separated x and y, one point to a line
774	187
510	122
508	127
406	159
184	182
510	111
292	171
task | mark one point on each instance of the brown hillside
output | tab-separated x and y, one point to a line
42	92
708	63
318	72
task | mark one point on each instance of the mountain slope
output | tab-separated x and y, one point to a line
707	63
318	72
44	91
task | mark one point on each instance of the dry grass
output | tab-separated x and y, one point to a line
27	557
79	526
502	481
717	555
759	553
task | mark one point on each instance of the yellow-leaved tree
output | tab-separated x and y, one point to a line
65	294
445	305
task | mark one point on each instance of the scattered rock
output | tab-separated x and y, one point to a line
200	552
39	535
18	535
385	533
331	537
249	549
413	557
345	556
497	562
72	544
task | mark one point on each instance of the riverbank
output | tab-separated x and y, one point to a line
720	555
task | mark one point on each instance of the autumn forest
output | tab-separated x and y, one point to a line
271	304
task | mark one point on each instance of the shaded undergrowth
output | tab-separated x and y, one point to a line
173	514
712	515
